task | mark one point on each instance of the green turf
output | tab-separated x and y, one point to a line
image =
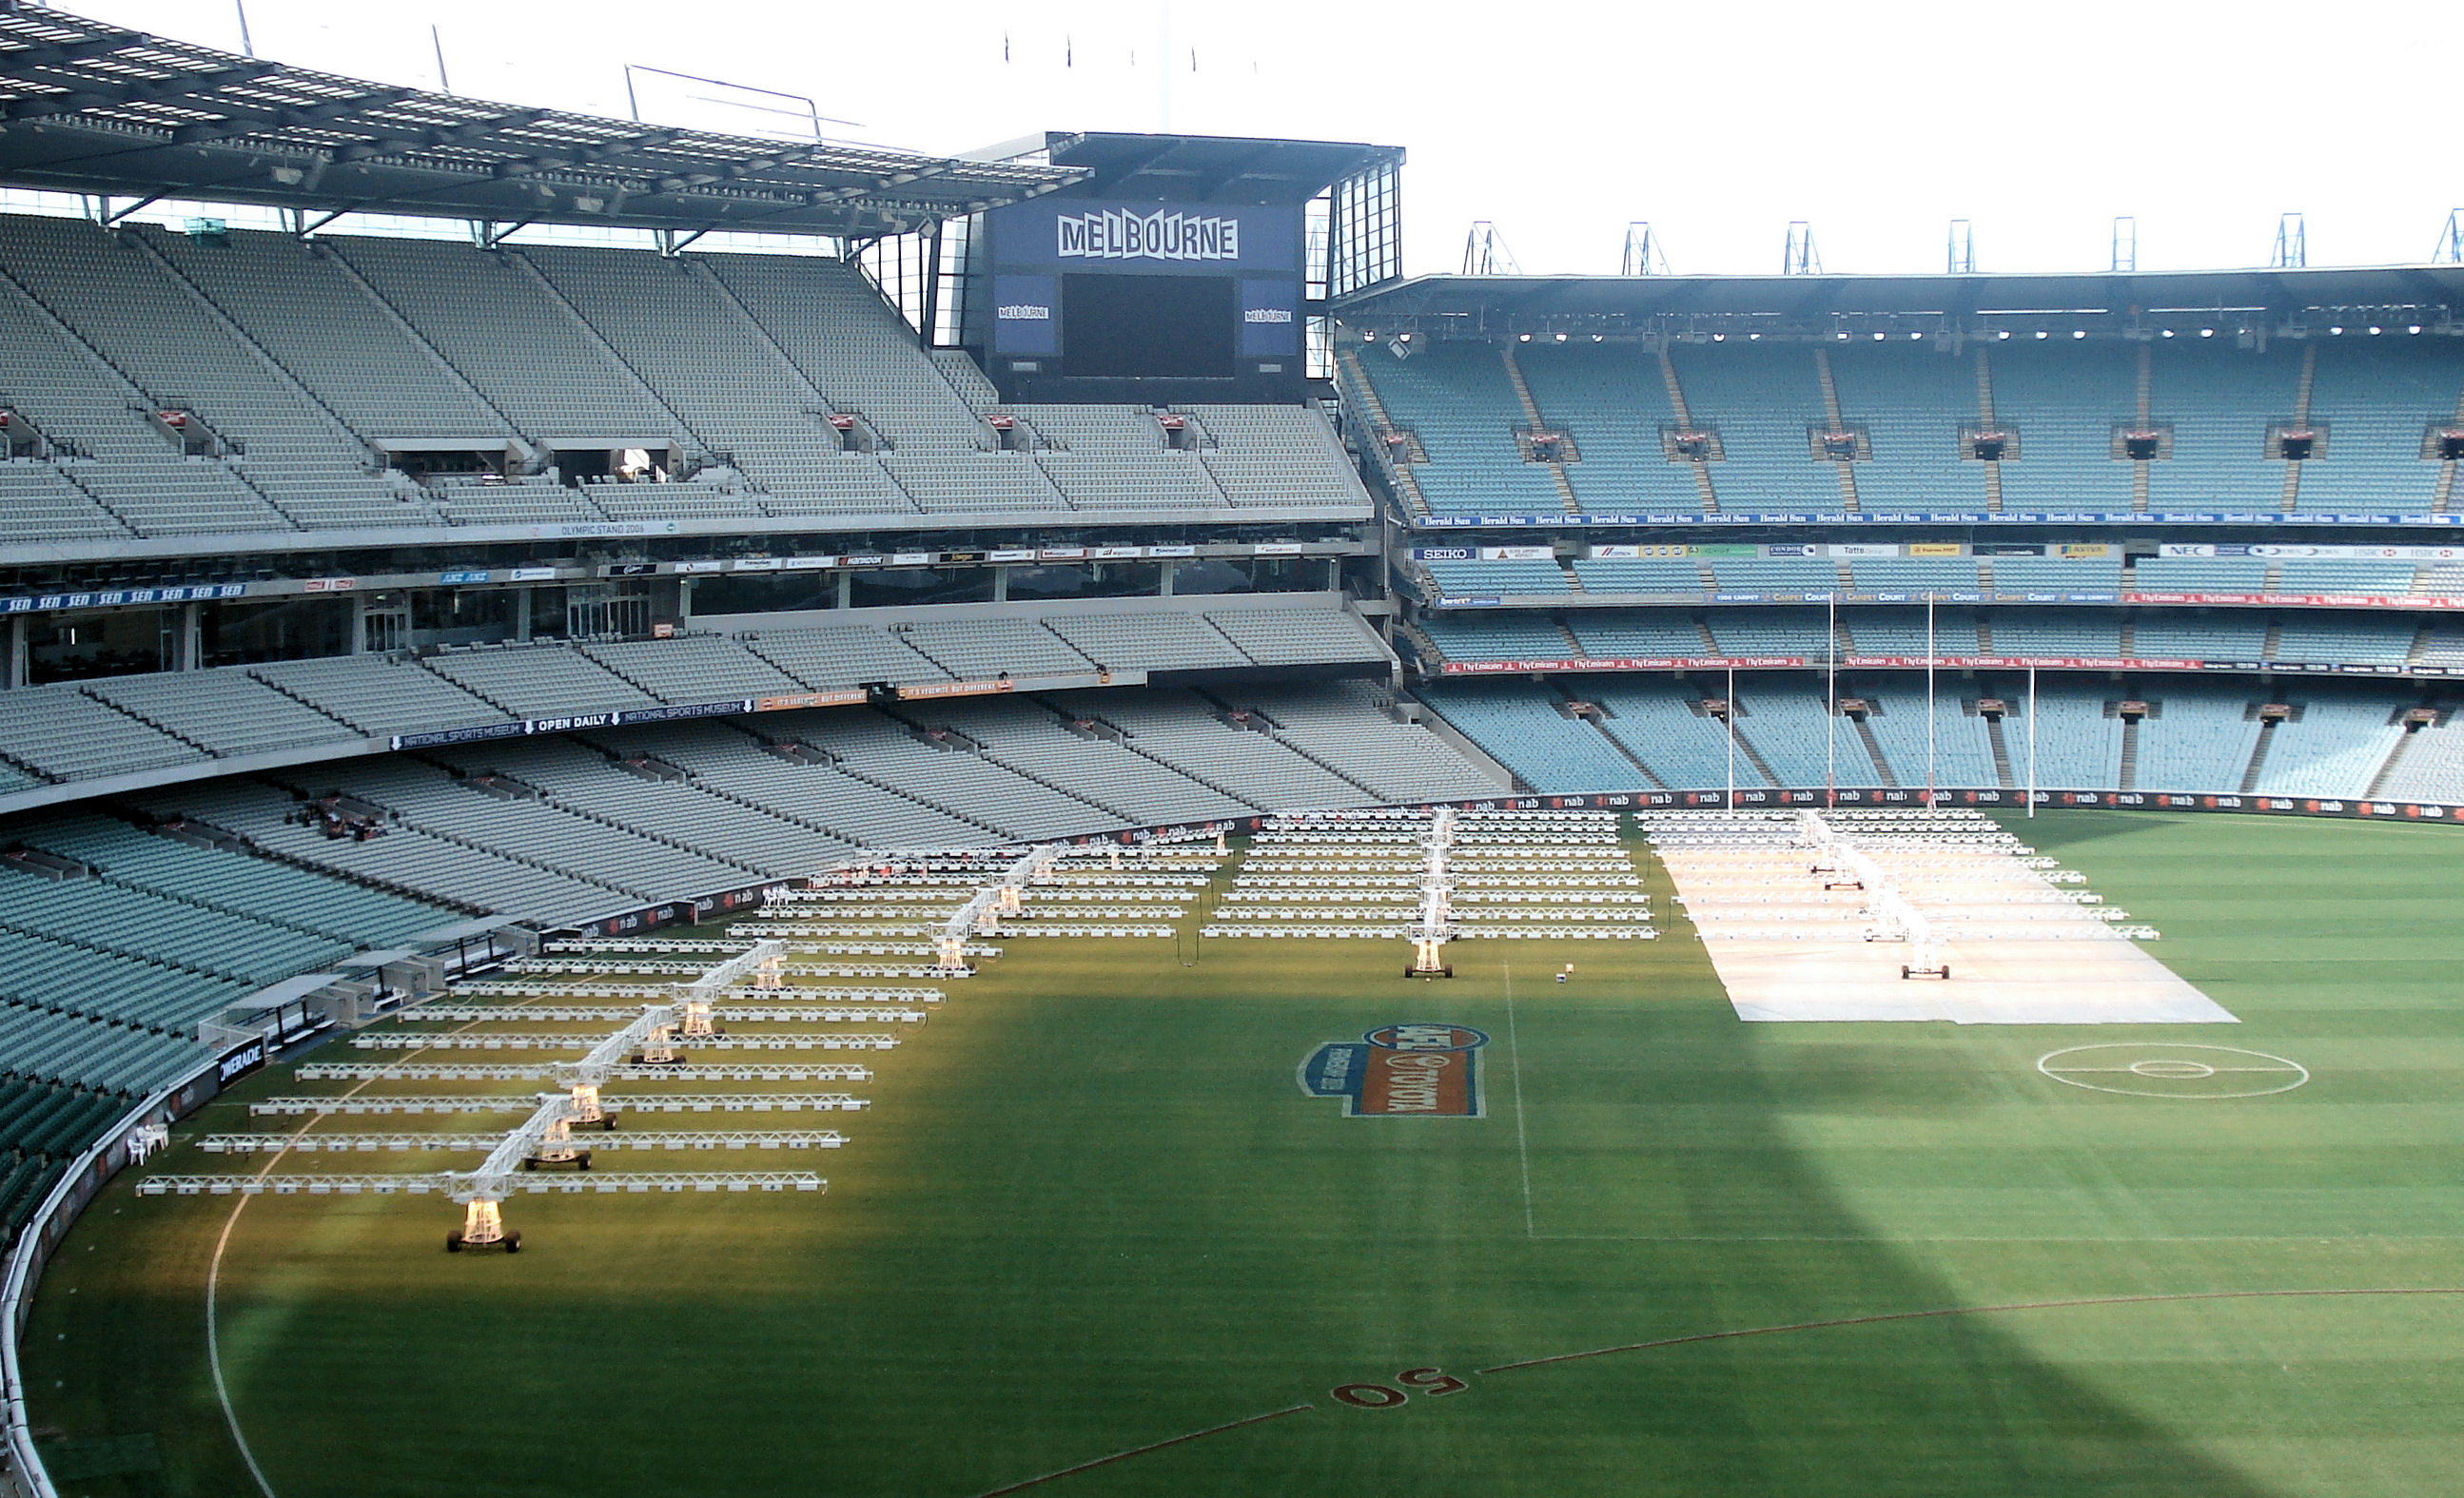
1091	1210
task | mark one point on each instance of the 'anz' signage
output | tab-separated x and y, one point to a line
1113	235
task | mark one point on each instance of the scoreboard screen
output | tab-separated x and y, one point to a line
1148	327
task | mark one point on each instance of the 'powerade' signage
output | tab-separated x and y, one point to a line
240	1060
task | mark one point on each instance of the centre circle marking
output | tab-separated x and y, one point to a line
2169	1067
2159	1069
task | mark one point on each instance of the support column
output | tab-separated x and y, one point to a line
1000	584
684	600
847	591
358	626
14	675
1169	569
522	612
190	649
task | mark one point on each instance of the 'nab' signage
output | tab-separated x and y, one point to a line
1400	1071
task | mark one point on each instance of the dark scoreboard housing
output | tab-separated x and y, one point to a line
1177	271
1089	289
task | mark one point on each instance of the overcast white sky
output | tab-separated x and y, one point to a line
1561	121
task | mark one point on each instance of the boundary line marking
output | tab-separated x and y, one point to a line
1946	1311
215	1275
2011	1237
1937	1313
1123	1456
1522	1135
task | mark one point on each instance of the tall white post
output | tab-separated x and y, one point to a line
2032	740
1930	655
1732	736
1831	714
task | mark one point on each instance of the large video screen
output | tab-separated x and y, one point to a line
1148	327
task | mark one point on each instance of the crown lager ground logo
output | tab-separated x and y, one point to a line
1400	1071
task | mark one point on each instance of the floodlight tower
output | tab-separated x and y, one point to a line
1485	252
2450	241
1799	257
1642	255
1961	255
2292	250
2125	245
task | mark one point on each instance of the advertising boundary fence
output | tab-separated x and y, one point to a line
1872	517
1602	598
1620	662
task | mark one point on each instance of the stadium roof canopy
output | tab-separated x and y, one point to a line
1488	305
94	109
1197	168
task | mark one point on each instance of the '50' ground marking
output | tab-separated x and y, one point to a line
1434	1383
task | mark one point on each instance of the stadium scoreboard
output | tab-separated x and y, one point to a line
1089	290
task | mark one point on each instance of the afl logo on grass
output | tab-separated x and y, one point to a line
1400	1071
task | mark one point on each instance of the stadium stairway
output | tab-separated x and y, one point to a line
1874	750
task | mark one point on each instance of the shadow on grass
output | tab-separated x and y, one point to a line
1091	1210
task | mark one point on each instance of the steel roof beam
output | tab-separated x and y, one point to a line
183	85
431	140
587	156
249	120
54	54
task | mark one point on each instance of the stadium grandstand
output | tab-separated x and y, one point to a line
437	536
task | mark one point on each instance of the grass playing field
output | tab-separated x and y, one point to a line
1091	1211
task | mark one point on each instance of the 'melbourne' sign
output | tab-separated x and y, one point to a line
1111	235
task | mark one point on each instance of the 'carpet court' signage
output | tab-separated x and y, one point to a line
1400	1071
